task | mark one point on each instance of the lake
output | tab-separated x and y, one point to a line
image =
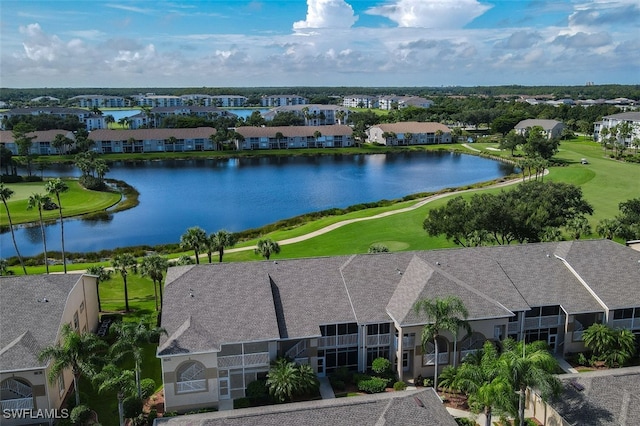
242	193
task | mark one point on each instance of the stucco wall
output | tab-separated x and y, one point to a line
183	401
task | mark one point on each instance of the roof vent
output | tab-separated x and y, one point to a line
438	263
43	300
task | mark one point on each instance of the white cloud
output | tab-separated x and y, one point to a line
431	13
327	14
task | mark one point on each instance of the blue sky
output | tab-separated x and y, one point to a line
150	43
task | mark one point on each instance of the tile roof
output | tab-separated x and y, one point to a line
413	127
152	134
385	409
28	323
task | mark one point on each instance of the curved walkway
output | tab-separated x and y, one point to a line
419	204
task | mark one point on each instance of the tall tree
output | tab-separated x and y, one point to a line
39	201
267	247
529	365
132	336
5	194
78	351
219	241
23	142
123	263
101	275
446	314
195	238
113	379
154	267
56	187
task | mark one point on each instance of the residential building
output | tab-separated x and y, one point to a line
596	398
282	100
155	116
409	133
40	144
360	101
153	100
99	101
230	101
551	128
422	407
333	136
227	322
313	114
398	102
153	140
33	310
610	121
91	120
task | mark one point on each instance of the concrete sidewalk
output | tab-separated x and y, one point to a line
326	391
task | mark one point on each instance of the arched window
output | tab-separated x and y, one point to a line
429	356
16	394
190	377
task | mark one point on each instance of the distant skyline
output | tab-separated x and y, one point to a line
215	43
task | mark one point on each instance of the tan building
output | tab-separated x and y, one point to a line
409	133
154	140
551	128
33	310
285	137
227	322
41	143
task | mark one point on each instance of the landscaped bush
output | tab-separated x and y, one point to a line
337	384
381	365
80	415
464	421
241	403
342	374
358	377
257	389
148	387
373	385
132	407
582	359
399	386
153	414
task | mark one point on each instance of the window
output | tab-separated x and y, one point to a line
82	307
190	377
550	310
76	321
534	312
623	314
61	387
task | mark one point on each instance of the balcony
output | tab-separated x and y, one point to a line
378	340
543	322
344	340
248	360
430	359
627	323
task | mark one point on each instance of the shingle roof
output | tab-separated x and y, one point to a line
608	398
386	409
545	124
293	131
28	323
40	136
152	134
413	127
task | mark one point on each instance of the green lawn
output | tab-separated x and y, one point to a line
74	202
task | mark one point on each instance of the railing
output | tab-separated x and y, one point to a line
17	388
577	335
248	360
338	341
626	323
408	341
430	359
17	404
191	386
467	352
378	340
297	349
543	322
513	327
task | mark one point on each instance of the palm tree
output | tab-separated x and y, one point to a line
316	136
578	226
122	263
266	248
6	193
448	314
79	352
340	114
194	239
529	365
607	228
102	275
154	266
56	187
113	379
282	380
109	119
132	336
39	201
479	378
219	241
279	136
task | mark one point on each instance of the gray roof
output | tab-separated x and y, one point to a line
291	298
294	131
385	409
545	124
629	115
28	323
607	398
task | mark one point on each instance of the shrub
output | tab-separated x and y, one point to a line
399	386
358	377
465	421
337	384
582	359
148	387
381	365
257	389
373	385
241	403
132	407
80	414
153	414
343	374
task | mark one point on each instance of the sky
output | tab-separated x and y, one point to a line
363	43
